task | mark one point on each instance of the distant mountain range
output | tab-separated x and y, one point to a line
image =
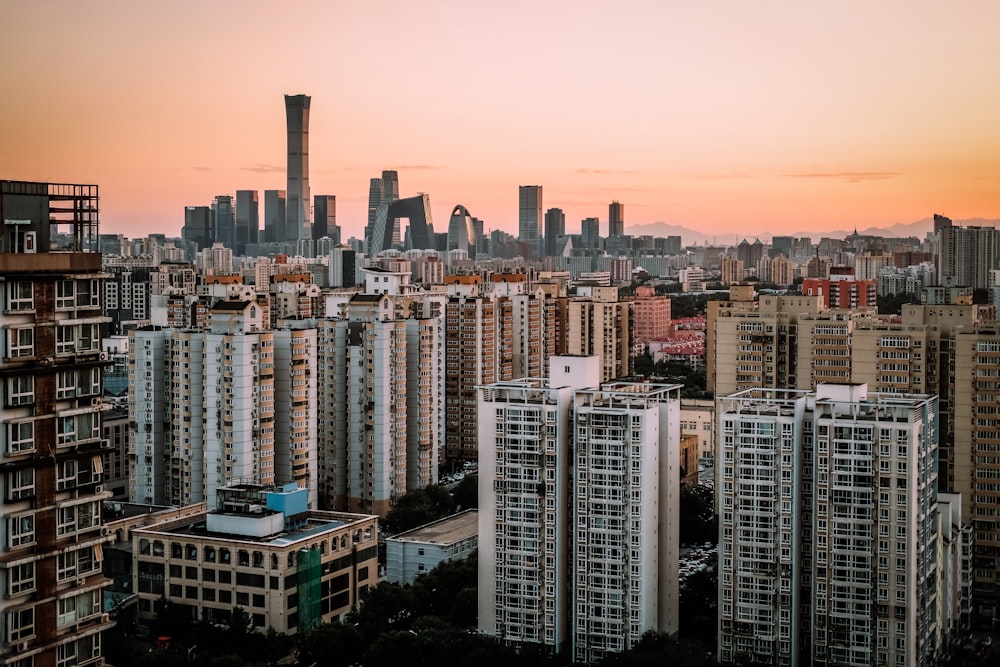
694	237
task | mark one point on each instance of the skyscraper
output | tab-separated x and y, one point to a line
274	215
297	120
198	226
616	219
247	220
590	233
224	221
529	218
381	191
325	218
555	227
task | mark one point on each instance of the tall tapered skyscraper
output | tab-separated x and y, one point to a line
529	217
297	118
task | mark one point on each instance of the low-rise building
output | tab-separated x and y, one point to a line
422	549
262	550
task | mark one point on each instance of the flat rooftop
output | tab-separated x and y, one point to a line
448	530
313	526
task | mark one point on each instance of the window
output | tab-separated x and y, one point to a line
65	294
20	296
21	437
21	390
22	342
21	530
20	579
21	483
21	624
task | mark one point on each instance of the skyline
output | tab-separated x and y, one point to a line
749	120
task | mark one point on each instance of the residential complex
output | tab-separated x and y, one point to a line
829	528
596	466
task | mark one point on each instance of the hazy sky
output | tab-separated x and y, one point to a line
727	117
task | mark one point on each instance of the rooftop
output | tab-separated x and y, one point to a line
448	530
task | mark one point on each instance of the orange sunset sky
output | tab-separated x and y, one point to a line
726	117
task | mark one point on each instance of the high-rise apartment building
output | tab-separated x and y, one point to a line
297	221
325	218
247	220
205	405
529	217
599	325
975	468
828	527
51	418
616	219
578	537
380	420
555	228
477	351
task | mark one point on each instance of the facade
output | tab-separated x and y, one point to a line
828	527
297	220
617	446
417	551
529	217
52	444
261	550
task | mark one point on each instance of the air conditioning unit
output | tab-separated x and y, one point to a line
105	531
79	582
95	401
22	647
105	618
104	356
99	488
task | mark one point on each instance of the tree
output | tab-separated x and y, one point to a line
892	304
333	644
466	493
698	522
699	597
418	507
